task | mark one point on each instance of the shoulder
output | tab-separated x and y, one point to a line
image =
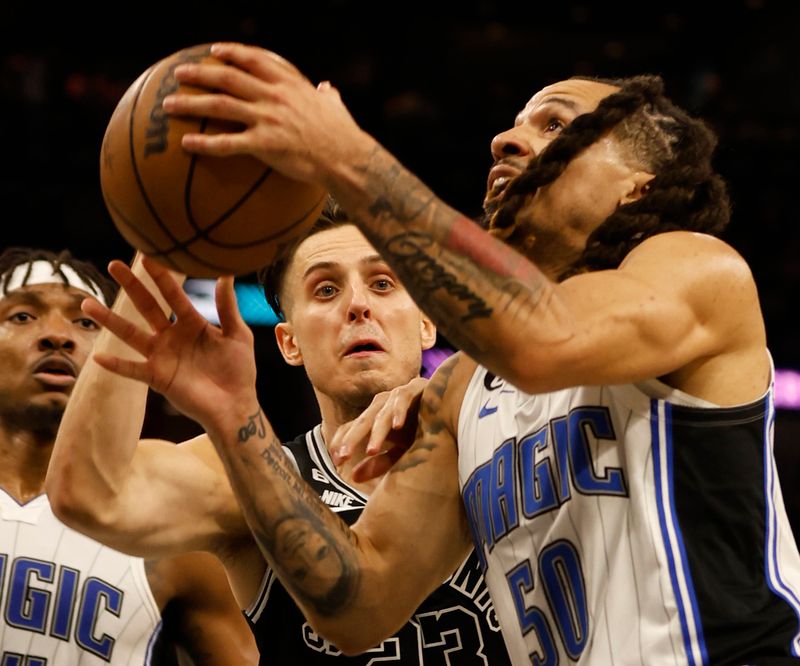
709	272
704	254
447	387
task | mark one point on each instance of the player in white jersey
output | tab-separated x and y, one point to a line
602	268
68	600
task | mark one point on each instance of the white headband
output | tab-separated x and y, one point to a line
42	272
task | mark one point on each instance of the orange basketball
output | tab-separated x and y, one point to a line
200	215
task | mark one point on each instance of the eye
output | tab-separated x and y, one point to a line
383	284
325	291
554	125
21	317
88	324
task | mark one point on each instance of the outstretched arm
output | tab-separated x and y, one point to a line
148	498
356	586
682	298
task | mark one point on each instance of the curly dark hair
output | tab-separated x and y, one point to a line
271	276
685	194
18	256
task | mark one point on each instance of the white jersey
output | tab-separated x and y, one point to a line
623	525
66	599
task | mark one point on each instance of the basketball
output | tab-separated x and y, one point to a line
200	215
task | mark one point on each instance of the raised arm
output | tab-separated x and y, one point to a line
356	586
148	498
680	300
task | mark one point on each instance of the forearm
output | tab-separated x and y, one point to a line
317	557
99	431
481	293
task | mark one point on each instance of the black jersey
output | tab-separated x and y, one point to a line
455	625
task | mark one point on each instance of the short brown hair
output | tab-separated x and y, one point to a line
271	277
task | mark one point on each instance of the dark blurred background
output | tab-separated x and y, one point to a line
433	82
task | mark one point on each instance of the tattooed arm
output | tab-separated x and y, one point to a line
464	279
676	301
356	586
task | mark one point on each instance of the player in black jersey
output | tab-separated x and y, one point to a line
332	286
353	327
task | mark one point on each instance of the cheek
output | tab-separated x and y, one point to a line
11	360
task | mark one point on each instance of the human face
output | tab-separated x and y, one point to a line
44	341
313	562
349	320
560	217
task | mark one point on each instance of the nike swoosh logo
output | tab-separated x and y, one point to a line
486	410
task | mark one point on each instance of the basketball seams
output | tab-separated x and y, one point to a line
140	195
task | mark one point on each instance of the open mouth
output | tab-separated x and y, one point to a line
365	347
55	371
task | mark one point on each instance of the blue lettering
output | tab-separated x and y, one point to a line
562	577
27	607
97	593
502	502
65	602
560	435
538	489
598	421
520	580
542	468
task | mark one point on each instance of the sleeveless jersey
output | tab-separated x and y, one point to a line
629	525
66	599
454	626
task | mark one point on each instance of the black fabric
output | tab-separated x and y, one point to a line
719	470
454	615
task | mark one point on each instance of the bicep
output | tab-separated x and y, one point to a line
668	304
177	498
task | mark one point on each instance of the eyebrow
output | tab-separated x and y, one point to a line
322	265
23	296
565	102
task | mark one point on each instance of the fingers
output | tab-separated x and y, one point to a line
174	295
123	367
139	295
267	65
376	466
389	411
125	330
230	319
353	435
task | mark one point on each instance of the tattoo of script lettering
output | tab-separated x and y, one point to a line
412	251
254	426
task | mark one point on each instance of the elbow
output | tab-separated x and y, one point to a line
350	641
71	506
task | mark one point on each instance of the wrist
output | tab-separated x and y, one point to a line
242	422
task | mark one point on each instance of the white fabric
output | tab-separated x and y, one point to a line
42	272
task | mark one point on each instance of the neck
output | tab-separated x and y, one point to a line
24	456
334	415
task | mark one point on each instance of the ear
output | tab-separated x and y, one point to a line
636	187
427	332
284	334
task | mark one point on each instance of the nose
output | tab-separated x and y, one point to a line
511	142
358	307
57	335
